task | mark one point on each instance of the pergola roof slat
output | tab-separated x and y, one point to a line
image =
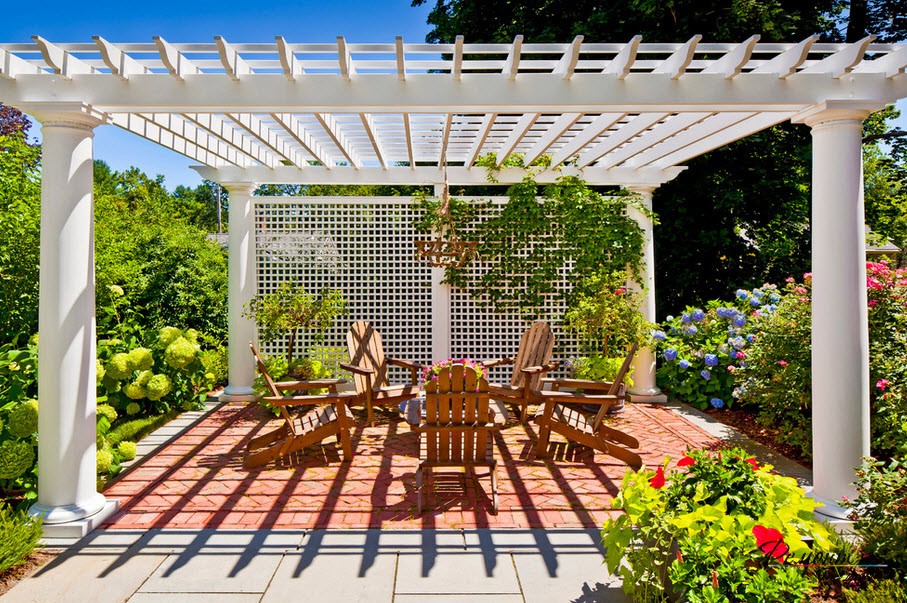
395	105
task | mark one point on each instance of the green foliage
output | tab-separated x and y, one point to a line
702	349
695	533
20	191
599	368
777	378
22	420
877	591
524	247
605	314
16	458
880	512
134	429
21	535
127	450
290	308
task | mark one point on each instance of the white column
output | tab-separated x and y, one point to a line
67	389
440	307
840	333
241	290
644	388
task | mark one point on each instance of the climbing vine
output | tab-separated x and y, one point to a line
537	234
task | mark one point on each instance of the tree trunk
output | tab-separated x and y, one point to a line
856	23
290	345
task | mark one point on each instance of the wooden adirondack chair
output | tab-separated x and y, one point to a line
562	412
458	427
369	367
328	415
532	361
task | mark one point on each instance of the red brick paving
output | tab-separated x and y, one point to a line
198	480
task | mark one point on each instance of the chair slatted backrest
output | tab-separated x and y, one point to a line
457	400
263	371
364	346
617	386
536	347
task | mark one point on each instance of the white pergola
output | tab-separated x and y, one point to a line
627	114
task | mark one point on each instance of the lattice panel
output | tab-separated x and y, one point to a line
478	332
364	247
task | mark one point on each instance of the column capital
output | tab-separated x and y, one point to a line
239	188
836	110
642	189
68	115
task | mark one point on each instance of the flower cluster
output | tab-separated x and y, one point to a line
431	373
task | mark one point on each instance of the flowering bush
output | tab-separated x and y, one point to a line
713	528
880	512
703	348
431	373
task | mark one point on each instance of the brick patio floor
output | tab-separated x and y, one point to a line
197	481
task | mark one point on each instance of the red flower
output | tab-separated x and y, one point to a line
752	463
771	542
620	291
685	462
658	480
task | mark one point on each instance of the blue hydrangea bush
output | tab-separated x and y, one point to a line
701	350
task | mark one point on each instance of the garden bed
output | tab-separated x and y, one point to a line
744	421
32	564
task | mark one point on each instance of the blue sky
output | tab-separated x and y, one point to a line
192	21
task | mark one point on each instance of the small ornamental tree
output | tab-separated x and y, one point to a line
290	308
605	313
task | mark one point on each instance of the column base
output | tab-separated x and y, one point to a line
52	515
830	510
82	527
238	394
648	396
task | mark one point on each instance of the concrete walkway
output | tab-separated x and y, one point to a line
226	566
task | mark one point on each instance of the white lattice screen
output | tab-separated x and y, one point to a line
364	247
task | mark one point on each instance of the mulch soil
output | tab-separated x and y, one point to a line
744	421
33	563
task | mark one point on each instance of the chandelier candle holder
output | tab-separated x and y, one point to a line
446	249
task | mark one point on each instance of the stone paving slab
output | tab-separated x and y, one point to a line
480	573
197	481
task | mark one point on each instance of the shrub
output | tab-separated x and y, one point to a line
777	379
140	359
134	391
21	535
23	419
598	368
119	366
877	591
158	386
716	528
16	458
880	512
105	460
702	349
180	353
127	450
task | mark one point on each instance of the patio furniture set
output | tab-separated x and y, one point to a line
457	413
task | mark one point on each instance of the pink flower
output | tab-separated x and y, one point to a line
741	354
882	384
789	279
800	290
620	291
872	303
782	363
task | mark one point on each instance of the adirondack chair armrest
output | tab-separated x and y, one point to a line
307	385
311	400
585	384
407	364
559	397
534	370
497	362
357	369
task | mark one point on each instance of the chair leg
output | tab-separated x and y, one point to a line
541	447
345	443
371	414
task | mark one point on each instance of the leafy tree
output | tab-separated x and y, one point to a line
20	195
739	215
